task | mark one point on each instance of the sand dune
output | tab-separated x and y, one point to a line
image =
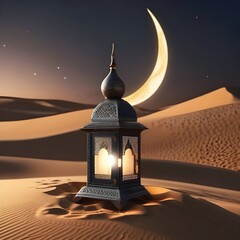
210	137
12	108
45	126
219	97
190	132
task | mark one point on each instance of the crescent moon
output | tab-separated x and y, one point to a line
155	79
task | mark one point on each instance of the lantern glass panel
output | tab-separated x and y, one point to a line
128	162
103	159
130	158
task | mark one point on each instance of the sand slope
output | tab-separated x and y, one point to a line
219	97
16	167
44	126
191	132
12	108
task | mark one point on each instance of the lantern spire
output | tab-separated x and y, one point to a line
112	86
113	63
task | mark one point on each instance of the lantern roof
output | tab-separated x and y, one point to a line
114	109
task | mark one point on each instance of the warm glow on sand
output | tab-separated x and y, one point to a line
158	73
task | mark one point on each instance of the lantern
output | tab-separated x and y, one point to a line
114	150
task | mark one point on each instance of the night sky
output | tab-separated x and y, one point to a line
61	48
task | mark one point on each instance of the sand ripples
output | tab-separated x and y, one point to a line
210	137
48	213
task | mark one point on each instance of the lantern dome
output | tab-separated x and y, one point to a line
114	110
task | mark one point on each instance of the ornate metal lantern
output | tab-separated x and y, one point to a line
113	147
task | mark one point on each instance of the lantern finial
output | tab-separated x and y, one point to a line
112	86
113	63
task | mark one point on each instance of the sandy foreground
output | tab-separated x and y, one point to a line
42	208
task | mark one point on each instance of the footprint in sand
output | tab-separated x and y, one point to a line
63	205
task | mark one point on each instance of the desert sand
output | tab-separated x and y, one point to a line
42	208
13	108
190	165
205	130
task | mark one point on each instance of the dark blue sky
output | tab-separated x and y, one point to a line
39	36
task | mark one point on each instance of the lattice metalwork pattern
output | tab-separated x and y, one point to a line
134	143
100	192
102	142
106	110
129	177
103	176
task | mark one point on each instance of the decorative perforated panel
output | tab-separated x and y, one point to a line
130	158
134	144
106	110
130	177
102	142
100	191
102	176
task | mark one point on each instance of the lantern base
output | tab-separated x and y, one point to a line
118	196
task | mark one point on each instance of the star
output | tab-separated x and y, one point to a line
4	45
65	78
207	76
35	74
196	17
58	67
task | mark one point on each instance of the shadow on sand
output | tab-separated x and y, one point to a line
190	173
12	168
69	146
